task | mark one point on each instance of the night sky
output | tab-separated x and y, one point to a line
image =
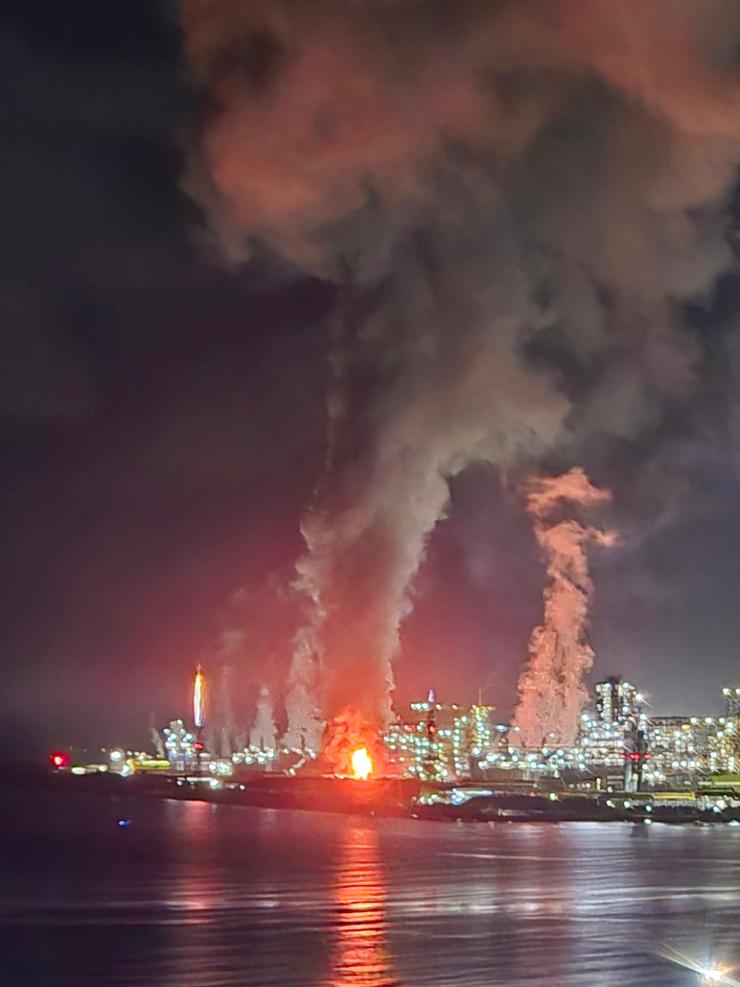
162	415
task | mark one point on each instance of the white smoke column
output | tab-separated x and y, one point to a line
263	735
228	653
226	713
305	720
157	741
551	689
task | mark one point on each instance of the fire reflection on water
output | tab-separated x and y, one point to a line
361	957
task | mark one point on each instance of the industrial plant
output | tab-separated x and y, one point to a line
441	756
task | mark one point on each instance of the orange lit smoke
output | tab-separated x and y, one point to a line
352	747
551	686
341	135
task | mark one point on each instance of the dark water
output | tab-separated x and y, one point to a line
192	895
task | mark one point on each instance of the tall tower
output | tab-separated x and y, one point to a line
617	701
731	695
431	761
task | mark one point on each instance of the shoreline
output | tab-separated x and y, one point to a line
391	798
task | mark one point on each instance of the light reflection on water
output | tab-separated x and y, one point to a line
361	957
193	895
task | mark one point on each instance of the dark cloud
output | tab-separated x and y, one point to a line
161	420
525	215
162	414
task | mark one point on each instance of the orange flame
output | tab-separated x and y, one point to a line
352	747
362	764
199	698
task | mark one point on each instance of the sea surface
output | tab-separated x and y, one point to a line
194	895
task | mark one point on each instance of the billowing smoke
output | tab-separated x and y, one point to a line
346	734
513	200
551	688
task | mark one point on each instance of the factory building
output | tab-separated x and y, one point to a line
618	744
617	701
685	748
442	741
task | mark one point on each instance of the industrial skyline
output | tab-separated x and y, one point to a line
619	743
166	411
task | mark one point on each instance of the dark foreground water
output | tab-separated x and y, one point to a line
192	895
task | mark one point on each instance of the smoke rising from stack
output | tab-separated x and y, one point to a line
513	201
263	735
305	717
551	687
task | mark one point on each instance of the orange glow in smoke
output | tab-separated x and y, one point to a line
362	764
352	747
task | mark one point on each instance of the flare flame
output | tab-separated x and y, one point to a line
199	690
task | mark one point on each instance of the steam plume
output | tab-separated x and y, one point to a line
551	689
513	200
305	719
263	735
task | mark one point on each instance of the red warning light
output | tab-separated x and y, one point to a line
199	746
59	759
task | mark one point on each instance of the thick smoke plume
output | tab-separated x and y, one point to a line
551	687
346	734
514	200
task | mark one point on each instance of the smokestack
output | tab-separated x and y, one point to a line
551	689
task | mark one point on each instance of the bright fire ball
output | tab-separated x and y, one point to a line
362	764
